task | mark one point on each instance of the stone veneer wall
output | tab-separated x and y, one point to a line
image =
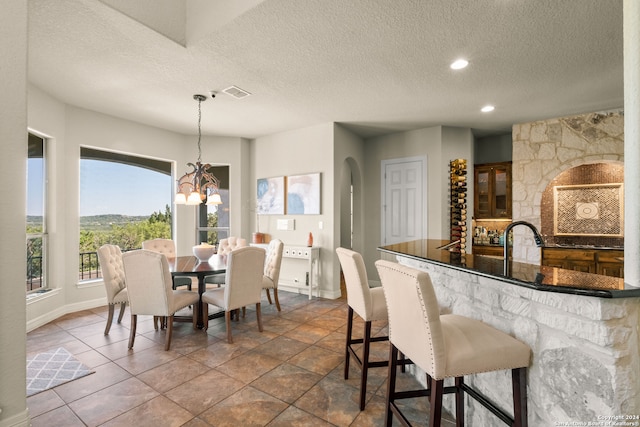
544	149
585	349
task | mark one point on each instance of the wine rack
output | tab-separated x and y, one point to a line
458	199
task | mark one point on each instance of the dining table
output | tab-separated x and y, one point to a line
192	266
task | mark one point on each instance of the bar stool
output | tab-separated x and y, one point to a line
446	346
370	305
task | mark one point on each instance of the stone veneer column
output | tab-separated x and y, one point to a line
632	141
544	149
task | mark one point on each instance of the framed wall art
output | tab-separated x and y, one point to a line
589	210
270	197
303	194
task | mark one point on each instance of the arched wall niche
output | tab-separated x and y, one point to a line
586	174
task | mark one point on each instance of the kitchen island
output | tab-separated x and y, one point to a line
581	327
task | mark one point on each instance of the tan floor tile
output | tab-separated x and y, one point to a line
287	382
332	401
104	376
62	416
120	349
328	322
110	402
335	341
282	348
91	358
170	375
43	402
196	422
157	412
248	366
247	407
204	391
218	353
295	417
141	361
280	325
317	359
308	333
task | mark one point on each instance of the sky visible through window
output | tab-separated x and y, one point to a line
115	188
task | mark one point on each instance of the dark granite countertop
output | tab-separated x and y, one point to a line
541	278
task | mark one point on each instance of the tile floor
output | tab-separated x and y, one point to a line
289	375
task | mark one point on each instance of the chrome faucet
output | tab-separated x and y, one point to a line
536	236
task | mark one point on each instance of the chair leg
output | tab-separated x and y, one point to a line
122	307
519	380
132	331
227	319
275	297
155	322
435	415
459	402
167	340
259	316
366	344
391	384
196	308
205	315
109	319
268	295
348	343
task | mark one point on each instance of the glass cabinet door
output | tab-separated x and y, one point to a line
492	191
483	207
500	192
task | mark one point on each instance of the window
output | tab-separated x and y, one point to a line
213	220
36	216
124	200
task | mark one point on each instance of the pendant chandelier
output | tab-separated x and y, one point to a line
199	185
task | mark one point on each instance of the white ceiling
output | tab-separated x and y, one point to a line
377	66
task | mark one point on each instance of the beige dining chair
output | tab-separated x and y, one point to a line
446	346
110	260
225	246
243	279
151	291
168	247
272	270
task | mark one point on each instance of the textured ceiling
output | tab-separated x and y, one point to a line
376	66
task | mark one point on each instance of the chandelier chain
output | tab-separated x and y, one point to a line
199	129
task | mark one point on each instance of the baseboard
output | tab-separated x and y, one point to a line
19	420
61	311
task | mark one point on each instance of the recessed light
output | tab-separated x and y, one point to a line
487	108
459	64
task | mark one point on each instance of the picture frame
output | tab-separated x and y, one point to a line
270	196
303	194
589	210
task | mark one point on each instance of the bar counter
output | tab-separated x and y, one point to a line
541	278
582	329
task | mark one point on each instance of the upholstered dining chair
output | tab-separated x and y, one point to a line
243	287
167	247
110	259
151	291
370	305
272	270
225	246
446	346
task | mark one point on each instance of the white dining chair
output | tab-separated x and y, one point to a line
272	270
243	279
167	247
110	260
151	291
225	246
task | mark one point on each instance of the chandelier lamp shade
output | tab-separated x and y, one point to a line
199	185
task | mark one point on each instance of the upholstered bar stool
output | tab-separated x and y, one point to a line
370	305
446	346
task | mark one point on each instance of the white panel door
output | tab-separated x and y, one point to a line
402	209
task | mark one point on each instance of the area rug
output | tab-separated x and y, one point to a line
52	368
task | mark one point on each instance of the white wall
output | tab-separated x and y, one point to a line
295	152
13	142
440	145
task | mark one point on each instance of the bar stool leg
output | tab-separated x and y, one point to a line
459	402
365	363
435	413
347	346
519	384
391	384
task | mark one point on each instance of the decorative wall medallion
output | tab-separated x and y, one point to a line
589	210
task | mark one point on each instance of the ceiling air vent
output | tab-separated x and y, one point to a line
236	92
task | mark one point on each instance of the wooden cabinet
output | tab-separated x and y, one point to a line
492	190
600	261
488	250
